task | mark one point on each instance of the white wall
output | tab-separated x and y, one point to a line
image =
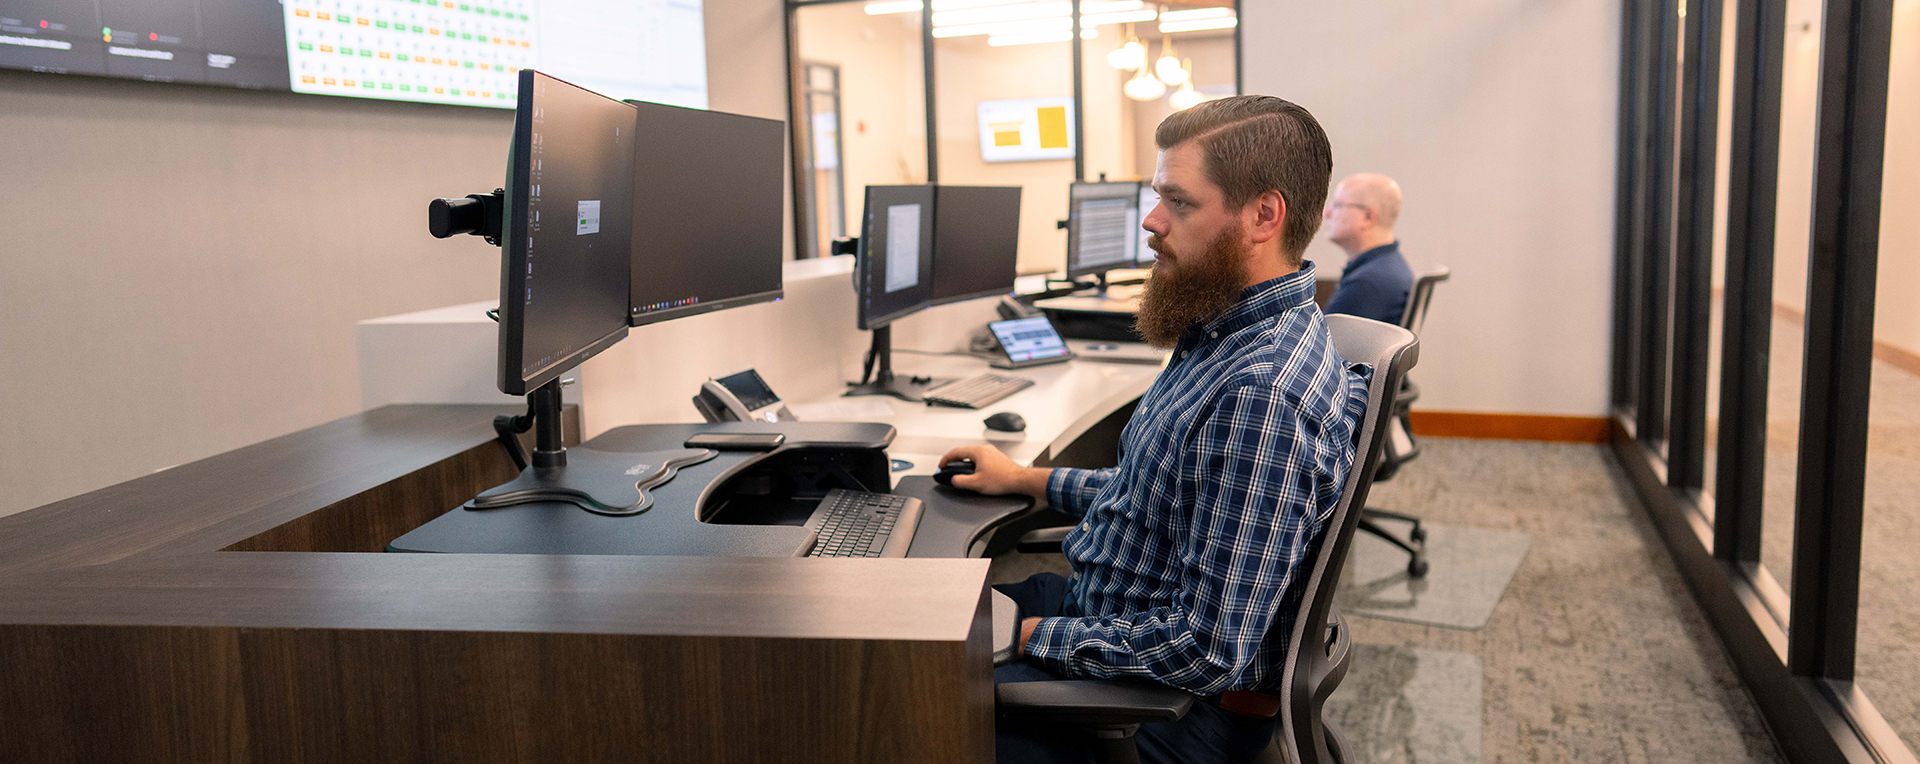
1896	314
1498	119
182	266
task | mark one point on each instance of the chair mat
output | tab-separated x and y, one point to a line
1469	571
1409	705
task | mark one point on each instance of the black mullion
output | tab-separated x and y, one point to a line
1746	344
1693	295
1079	101
1645	26
799	145
926	69
1850	145
1657	281
1625	182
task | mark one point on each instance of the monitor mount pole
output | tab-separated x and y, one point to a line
877	377
602	482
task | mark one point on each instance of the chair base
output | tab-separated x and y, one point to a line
1415	546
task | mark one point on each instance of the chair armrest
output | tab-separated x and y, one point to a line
1092	702
1043	540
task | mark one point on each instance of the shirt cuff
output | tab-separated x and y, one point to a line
1051	643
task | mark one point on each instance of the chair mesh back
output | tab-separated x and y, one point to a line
1415	316
1391	351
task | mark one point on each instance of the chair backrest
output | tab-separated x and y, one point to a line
1391	351
1415	315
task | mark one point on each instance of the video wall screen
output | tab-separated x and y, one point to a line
467	52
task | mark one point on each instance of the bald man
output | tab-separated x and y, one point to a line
1360	219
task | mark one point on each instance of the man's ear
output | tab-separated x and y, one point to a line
1265	216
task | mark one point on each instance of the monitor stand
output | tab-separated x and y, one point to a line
602	482
881	380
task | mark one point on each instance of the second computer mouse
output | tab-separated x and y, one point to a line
1006	421
952	468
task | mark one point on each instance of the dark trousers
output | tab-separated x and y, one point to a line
1205	734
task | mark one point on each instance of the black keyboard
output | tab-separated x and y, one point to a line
857	524
977	392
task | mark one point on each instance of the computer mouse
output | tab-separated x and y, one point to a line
1006	421
955	467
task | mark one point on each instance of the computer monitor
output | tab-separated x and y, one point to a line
1149	198
976	241
708	190
892	279
567	231
894	265
1103	219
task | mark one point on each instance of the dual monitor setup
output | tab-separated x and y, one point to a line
619	214
615	214
974	235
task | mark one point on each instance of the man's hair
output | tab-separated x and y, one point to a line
1255	144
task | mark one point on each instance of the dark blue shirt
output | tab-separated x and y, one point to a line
1374	285
1228	471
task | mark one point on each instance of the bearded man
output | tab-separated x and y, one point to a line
1193	547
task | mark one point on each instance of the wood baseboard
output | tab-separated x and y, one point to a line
1887	352
1464	424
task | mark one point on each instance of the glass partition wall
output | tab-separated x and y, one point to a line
1029	93
1766	404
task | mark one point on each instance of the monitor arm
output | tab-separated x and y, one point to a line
476	214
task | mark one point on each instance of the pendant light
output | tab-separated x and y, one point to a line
1168	67
1143	86
1131	54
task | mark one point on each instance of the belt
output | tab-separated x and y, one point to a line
1246	703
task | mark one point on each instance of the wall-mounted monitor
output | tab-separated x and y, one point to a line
467	52
1026	129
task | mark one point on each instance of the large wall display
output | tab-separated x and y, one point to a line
436	51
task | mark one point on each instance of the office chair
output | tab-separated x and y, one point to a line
1317	650
1401	429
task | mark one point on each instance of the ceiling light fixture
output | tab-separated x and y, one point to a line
1196	13
1004	40
1131	54
1143	87
1196	25
1168	67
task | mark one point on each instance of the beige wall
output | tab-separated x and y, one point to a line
1213	65
1498	118
968	71
883	114
183	266
1896	312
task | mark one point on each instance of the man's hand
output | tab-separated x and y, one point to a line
995	474
1026	632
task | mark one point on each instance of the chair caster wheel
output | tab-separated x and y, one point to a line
1418	534
1417	568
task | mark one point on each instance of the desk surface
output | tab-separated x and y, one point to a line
1065	400
236	608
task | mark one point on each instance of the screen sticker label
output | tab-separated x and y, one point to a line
589	217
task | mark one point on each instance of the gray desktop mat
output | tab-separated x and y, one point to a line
1469	571
1408	705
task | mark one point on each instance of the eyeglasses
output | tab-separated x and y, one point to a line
1338	205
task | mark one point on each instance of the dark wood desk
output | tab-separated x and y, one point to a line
238	608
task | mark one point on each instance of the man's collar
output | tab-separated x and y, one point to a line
1262	300
1370	255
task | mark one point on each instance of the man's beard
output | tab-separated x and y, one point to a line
1191	287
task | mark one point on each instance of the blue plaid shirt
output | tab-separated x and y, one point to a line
1231	466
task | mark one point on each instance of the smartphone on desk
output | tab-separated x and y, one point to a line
737	441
